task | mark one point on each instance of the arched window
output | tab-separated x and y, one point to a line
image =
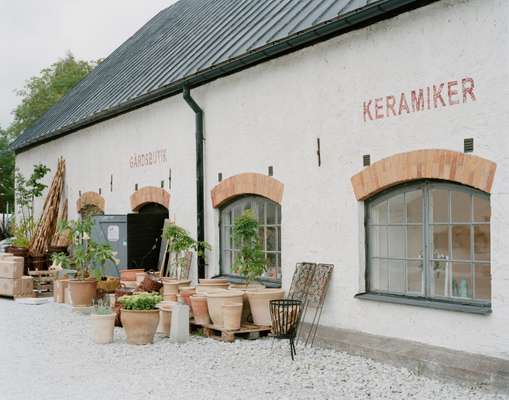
430	240
269	219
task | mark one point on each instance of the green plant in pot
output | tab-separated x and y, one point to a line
103	323
180	248
140	316
24	223
250	263
83	254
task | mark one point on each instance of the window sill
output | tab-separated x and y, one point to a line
436	304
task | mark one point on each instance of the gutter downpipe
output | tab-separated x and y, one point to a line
200	207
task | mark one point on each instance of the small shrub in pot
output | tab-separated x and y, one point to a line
140	317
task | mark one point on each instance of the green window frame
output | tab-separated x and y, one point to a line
430	240
269	219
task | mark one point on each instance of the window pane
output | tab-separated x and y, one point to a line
397	276
227	238
378	241
226	217
440	272
461	242
271	239
461	207
482	242
271	214
226	262
414	206
482	210
482	282
261	236
462	280
440	241
414	277
397	209
396	241
279	239
439	205
378	214
414	241
271	271
379	277
261	211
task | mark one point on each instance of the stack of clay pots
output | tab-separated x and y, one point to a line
171	288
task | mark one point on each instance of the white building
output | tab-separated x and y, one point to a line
294	94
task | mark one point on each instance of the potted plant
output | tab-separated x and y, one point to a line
83	253
180	248
250	263
140	317
103	323
24	224
101	254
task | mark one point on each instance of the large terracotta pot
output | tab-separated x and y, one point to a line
232	312
59	291
140	325
164	326
186	292
212	281
82	292
216	301
129	274
211	287
259	302
103	327
173	286
246	309
200	309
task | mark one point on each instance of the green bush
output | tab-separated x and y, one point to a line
141	301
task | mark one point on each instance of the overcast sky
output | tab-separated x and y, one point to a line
36	33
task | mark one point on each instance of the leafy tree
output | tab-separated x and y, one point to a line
6	173
43	91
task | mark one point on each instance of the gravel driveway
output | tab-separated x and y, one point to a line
46	353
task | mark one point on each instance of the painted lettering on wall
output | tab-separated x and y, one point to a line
146	159
444	94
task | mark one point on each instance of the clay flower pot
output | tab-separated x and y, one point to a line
170	297
211	287
212	281
186	292
164	326
259	302
129	274
173	286
200	309
216	301
232	313
82	292
59	291
140	276
103	327
140	325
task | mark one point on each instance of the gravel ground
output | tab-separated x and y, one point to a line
46	352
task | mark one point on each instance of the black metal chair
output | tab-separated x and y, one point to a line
285	315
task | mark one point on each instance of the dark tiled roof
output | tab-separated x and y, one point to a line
192	42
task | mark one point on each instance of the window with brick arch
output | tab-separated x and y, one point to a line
430	240
269	220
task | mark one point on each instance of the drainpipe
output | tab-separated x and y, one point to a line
200	217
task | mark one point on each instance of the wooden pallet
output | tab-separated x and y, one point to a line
246	331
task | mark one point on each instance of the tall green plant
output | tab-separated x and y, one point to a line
179	243
250	261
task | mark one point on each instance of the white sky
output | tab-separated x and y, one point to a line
36	33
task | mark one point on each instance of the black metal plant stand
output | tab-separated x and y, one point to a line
285	315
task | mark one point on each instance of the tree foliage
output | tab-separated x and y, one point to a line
6	173
41	92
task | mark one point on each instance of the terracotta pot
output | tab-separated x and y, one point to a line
58	291
164	326
38	263
186	292
232	312
259	303
246	309
211	287
200	309
82	292
173	286
140	325
212	281
251	286
215	302
129	274
140	276
103	327
170	297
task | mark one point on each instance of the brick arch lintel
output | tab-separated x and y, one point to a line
445	165
247	183
90	199
149	194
